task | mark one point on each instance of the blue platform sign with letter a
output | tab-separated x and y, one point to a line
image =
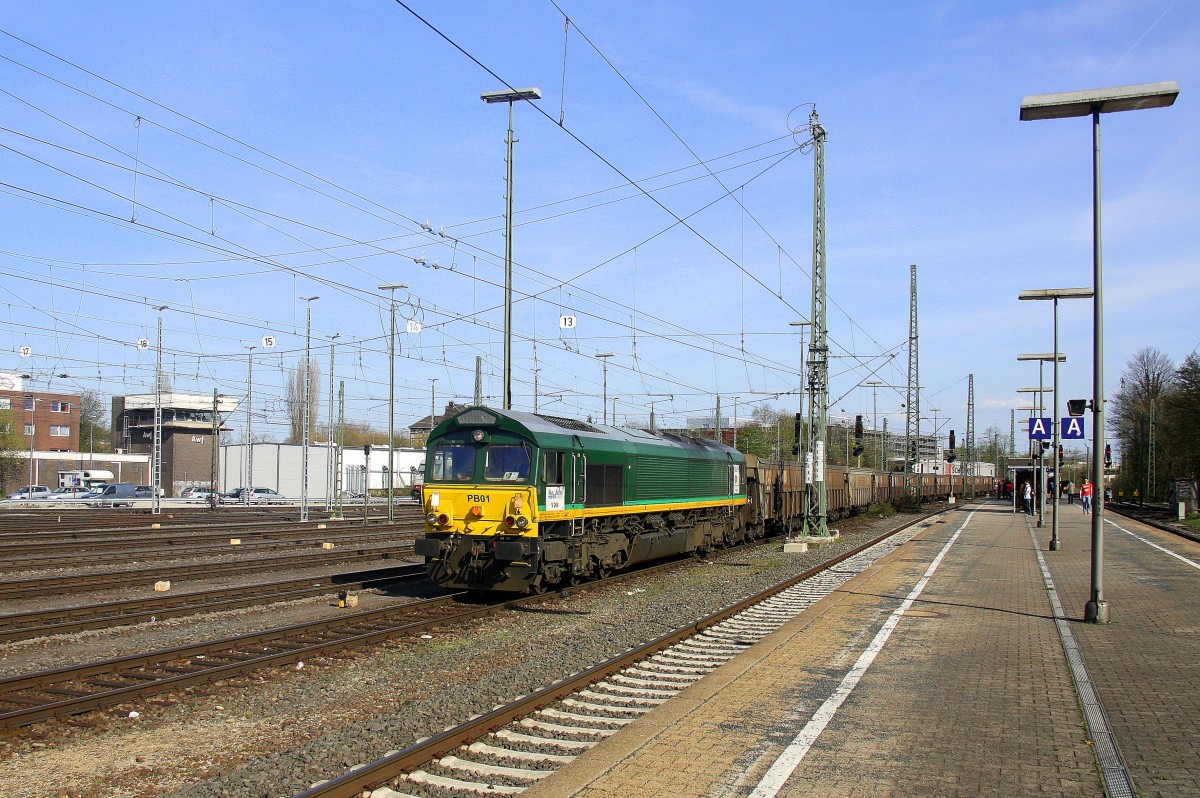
1071	428
1041	429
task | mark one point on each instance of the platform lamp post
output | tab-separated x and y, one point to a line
1043	358
1093	103
1039	408
391	287
604	356
509	96
1056	294
1030	410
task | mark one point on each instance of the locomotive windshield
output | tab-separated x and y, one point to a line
502	463
453	464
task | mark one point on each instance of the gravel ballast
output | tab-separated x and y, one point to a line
274	733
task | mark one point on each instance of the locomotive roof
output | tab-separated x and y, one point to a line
539	425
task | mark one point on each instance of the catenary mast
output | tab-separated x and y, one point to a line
816	511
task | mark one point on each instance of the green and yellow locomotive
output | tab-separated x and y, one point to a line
519	502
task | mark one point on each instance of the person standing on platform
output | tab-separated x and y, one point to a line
1085	495
1027	495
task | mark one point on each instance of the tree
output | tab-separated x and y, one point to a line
1148	378
95	433
13	469
1181	421
357	434
770	433
295	398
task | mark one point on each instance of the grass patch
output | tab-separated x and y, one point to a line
880	510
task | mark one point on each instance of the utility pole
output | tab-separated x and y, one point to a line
156	481
216	428
479	382
249	439
875	420
391	287
341	442
735	404
912	405
329	442
970	442
308	300
1150	484
815	516
432	403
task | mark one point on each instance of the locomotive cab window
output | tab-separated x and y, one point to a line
453	464
552	467
503	463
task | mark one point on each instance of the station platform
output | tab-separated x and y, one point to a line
958	665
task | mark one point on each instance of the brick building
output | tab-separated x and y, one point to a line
188	448
52	419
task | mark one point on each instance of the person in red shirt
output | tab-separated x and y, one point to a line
1085	493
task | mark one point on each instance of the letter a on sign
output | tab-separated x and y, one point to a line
1071	428
1041	428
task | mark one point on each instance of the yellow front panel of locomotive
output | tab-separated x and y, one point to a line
481	510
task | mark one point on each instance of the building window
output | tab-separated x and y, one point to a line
28	402
60	407
60	431
5	403
28	429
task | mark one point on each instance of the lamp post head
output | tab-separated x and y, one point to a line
392	286
309	298
511	95
1058	293
1048	357
1105	101
604	354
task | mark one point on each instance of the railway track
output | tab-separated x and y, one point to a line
114	552
28	698
27	625
71	690
1153	517
142	577
504	751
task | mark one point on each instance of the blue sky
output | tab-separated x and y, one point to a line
226	158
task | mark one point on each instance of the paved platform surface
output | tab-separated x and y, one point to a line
970	693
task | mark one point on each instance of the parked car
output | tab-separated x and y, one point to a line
117	495
30	492
196	493
70	492
253	496
149	492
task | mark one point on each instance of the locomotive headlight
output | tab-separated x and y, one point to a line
522	522
431	519
479	436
